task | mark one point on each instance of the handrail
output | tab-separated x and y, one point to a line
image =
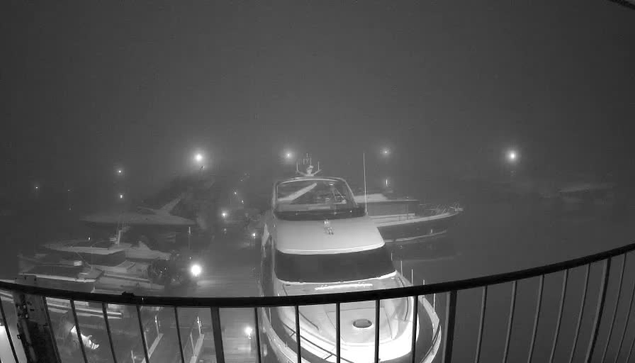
332	298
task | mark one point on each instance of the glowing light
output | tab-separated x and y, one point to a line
223	214
253	234
385	151
248	331
198	158
119	171
196	270
512	156
120	196
37	187
235	192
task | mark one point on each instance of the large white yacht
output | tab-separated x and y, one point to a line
318	240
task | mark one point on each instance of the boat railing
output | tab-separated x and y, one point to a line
430	209
575	310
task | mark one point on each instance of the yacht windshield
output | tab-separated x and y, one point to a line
333	267
301	199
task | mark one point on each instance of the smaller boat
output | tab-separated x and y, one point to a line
127	266
402	220
55	272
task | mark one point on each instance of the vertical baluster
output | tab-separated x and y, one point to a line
563	296
630	351
218	335
606	271
297	333
536	317
617	301
415	321
377	306
510	323
582	305
450	316
628	319
257	325
112	347
178	333
479	339
143	335
50	328
6	328
338	333
78	331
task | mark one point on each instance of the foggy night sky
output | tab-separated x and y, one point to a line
448	84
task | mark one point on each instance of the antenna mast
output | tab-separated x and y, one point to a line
365	194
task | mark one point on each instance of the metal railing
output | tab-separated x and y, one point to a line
608	310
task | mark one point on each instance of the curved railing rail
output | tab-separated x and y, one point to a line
449	290
319	299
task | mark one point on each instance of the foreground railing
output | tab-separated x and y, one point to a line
557	322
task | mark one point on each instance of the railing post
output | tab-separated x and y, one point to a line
479	340
143	335
450	316
257	326
563	296
34	326
377	307
297	333
600	309
415	321
78	331
6	328
178	333
218	335
581	313
617	302
338	332
628	319
107	323
541	283
512	308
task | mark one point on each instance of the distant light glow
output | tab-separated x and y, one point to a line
37	187
198	157
248	331
385	151
223	214
253	234
119	171
120	196
196	270
235	192
512	155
